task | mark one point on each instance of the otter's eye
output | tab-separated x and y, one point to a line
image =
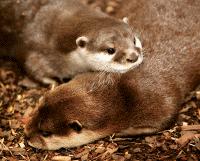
134	41
110	51
45	133
76	126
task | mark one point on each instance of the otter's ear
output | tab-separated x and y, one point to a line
125	19
75	125
82	41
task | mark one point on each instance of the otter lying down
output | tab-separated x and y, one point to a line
143	101
95	105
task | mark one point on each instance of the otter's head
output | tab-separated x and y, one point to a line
63	120
111	47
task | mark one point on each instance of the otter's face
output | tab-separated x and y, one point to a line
57	124
112	50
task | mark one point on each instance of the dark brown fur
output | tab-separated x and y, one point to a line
148	97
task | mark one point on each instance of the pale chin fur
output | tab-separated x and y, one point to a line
103	62
86	136
70	141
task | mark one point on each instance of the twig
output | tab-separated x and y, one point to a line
122	139
3	147
190	128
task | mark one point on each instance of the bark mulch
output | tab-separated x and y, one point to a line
18	95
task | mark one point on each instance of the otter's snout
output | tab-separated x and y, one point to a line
132	57
127	57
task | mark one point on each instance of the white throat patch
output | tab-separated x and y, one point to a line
72	140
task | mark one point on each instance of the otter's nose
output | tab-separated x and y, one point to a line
133	57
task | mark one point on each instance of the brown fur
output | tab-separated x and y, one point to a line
42	34
145	100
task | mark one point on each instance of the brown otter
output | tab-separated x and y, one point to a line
61	38
143	101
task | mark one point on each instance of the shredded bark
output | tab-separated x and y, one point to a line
19	95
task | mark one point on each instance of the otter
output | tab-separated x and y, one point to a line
143	101
57	39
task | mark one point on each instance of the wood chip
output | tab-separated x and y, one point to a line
111	148
85	157
84	152
118	157
100	149
198	145
184	139
173	146
136	150
10	109
22	145
26	82
61	158
190	128
150	139
127	155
